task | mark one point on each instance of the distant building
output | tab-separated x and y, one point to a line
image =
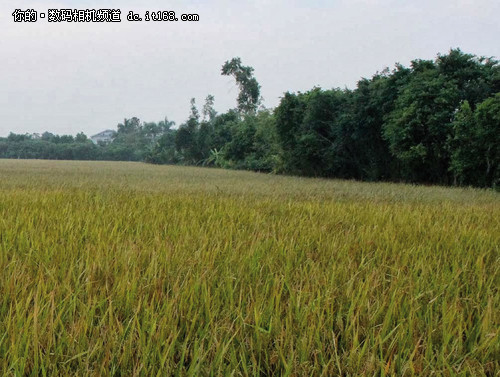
104	136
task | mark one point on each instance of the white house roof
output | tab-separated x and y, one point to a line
104	133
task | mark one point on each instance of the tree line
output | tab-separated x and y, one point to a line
434	122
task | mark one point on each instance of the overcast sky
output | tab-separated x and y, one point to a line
67	78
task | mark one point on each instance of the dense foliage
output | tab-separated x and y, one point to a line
433	122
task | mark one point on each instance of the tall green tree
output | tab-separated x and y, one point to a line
209	112
463	145
372	100
313	130
476	78
289	116
186	137
488	129
420	124
475	144
249	96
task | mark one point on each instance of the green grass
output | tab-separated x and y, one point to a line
127	269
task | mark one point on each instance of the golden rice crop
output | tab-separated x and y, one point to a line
127	269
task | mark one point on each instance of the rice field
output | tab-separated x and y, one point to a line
128	269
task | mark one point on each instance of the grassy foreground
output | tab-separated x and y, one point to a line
127	269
